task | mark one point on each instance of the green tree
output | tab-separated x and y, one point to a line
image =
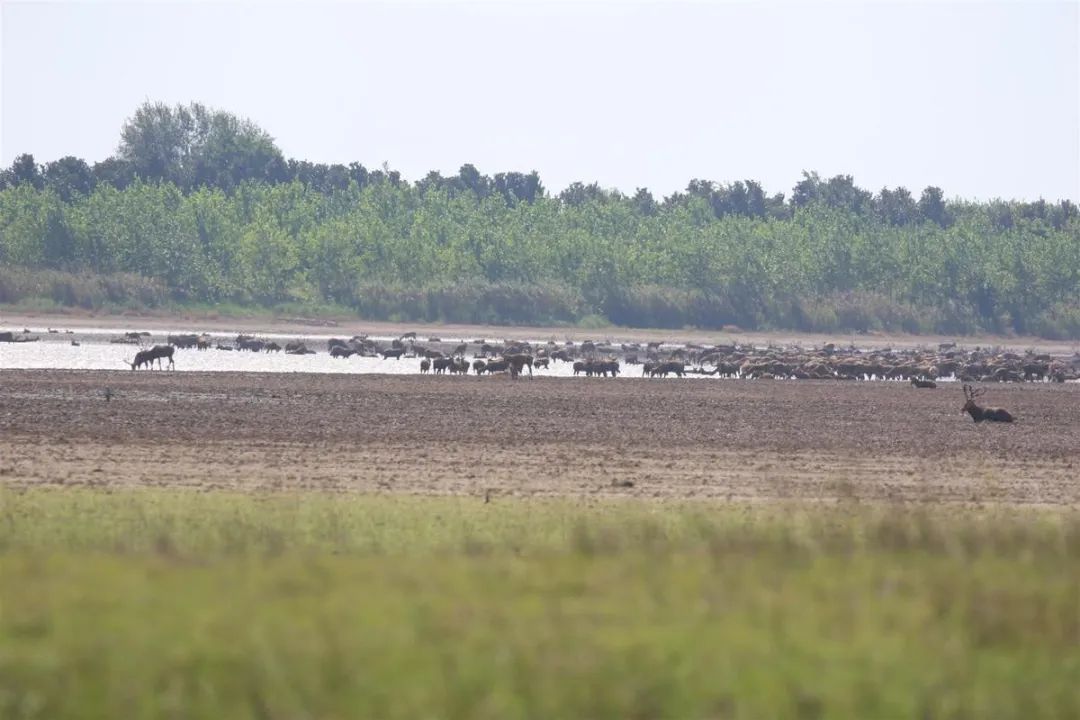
69	176
194	146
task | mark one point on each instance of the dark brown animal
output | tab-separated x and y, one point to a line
185	341
297	348
496	366
919	383
977	413
156	353
396	353
602	367
425	365
671	366
518	362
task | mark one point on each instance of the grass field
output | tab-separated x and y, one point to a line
152	603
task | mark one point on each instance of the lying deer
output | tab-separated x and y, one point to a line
922	383
978	414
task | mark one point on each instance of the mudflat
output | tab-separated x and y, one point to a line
572	437
348	326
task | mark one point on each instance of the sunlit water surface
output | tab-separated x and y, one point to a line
95	352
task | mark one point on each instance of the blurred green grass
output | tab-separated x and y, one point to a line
143	604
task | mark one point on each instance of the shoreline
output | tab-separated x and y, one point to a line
349	326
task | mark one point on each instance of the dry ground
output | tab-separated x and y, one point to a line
674	439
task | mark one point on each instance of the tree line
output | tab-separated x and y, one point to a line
206	204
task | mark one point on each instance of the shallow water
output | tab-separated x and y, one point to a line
95	352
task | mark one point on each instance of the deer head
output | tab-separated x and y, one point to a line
970	394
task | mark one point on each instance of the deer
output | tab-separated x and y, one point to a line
977	413
147	357
922	383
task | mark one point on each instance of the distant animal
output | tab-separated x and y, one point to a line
395	353
519	362
920	383
663	368
339	351
602	367
496	366
187	340
148	357
977	413
297	348
249	343
425	365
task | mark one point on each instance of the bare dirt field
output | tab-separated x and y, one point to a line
665	439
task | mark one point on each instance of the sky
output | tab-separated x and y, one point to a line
981	99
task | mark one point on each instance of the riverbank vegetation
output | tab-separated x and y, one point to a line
198	206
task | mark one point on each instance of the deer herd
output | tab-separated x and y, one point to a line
923	368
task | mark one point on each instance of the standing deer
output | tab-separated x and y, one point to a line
977	413
147	357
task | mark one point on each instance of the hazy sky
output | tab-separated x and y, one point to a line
981	99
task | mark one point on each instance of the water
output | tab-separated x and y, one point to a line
95	352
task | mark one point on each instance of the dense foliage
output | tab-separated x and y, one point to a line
205	204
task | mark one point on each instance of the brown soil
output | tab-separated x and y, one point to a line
675	439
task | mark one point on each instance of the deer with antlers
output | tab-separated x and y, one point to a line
977	413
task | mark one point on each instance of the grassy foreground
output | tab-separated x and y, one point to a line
170	604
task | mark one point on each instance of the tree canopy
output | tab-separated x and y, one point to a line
206	203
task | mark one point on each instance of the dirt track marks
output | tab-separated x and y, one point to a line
654	438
